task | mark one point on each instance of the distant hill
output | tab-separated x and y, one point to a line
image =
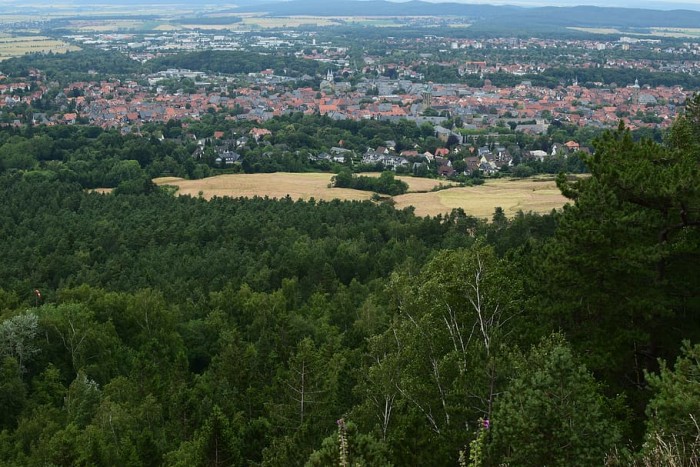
377	8
580	16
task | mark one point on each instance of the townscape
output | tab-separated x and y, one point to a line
289	234
508	94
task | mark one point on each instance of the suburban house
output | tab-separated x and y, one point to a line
258	133
572	146
387	160
538	154
227	158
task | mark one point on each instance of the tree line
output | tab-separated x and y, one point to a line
147	329
385	184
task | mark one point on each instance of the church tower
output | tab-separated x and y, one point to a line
427	96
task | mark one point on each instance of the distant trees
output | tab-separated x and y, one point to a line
385	184
269	332
17	338
82	65
233	62
96	158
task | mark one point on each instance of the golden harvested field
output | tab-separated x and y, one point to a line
206	27
597	30
20	45
107	25
277	185
167	27
377	22
288	21
658	32
480	201
512	195
676	32
102	191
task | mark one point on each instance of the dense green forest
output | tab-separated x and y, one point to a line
558	76
234	62
139	328
385	184
97	158
89	64
86	64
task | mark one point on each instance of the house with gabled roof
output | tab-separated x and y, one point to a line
227	158
258	133
572	145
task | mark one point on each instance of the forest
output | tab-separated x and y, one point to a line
385	184
82	65
139	328
97	158
560	75
89	64
235	62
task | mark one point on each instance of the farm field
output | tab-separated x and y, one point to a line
379	22
678	33
111	25
512	195
20	45
535	195
246	22
287	21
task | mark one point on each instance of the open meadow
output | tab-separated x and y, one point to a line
287	21
678	33
14	46
537	195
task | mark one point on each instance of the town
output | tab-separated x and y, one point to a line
368	232
476	94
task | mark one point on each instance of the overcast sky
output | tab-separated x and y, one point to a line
654	4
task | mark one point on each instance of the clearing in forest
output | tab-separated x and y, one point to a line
513	195
537	195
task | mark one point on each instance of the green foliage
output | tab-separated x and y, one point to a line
522	171
350	448
385	184
82	399
179	331
18	338
632	234
476	448
552	412
443	348
12	392
674	409
74	66
233	62
95	159
215	444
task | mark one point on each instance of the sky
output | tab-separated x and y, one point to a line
651	4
